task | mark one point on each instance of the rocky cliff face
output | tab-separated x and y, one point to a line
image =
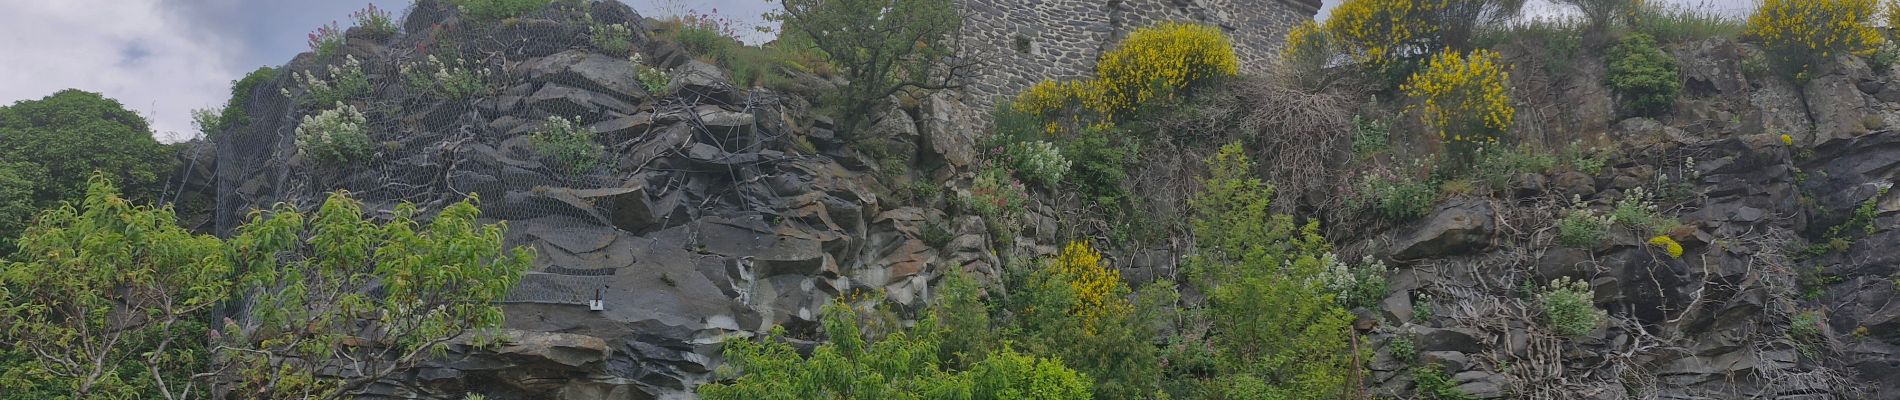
1734	316
723	211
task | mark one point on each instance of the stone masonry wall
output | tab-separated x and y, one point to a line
1021	42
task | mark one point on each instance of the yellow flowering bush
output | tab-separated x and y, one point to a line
1098	289
1308	51
1151	63
1801	32
1465	98
1059	103
1379	32
1155	61
1668	244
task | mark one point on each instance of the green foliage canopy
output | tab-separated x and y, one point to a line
903	365
1249	260
51	145
111	300
1644	75
882	46
102	297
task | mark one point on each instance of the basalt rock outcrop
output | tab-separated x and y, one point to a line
709	219
1719	321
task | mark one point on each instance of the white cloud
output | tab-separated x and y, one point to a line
136	51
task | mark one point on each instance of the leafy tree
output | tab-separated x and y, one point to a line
107	300
307	285
960	310
232	117
53	144
1249	261
904	365
1644	75
1387	35
883	47
111	300
1077	309
17	180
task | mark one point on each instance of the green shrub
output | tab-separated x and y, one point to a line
447	81
1401	348
1589	161
703	35
1814	280
1498	167
344	83
569	147
1008	125
207	121
374	21
1570	307
1397	197
1152	64
1637	209
1387	36
1039	162
1804	329
1643	75
901	365
435	281
233	116
1101	165
1465	100
1355	285
1422	308
494	10
1249	261
1308	54
1432	383
1582	227
613	39
995	195
327	40
654	80
1799	33
882	47
1370	135
1862	220
1884	59
1077	308
335	137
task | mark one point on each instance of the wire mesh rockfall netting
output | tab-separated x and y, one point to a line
431	144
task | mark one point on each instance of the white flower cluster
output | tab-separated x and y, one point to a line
445	80
654	79
1040	161
338	135
1354	285
344	82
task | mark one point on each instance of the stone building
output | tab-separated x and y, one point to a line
1021	42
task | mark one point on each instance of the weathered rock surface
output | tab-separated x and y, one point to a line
703	222
720	211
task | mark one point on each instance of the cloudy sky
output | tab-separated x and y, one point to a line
164	58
